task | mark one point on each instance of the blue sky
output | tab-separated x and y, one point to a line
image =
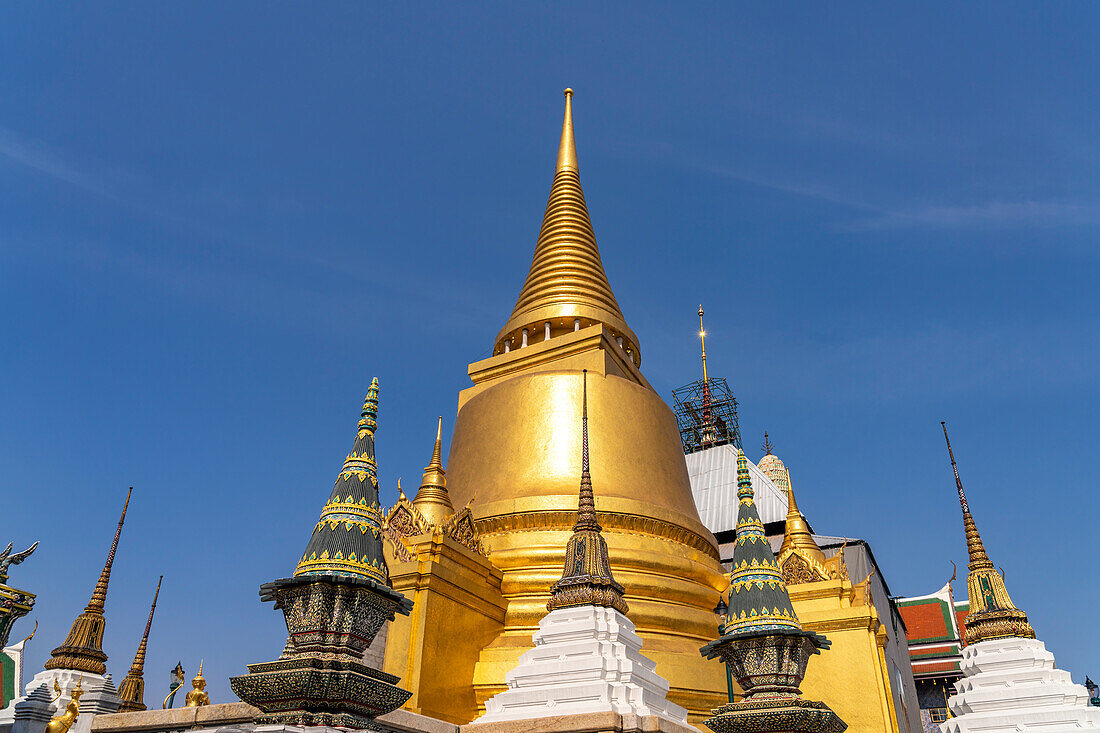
217	222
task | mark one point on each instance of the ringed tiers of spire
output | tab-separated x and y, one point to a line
566	288
992	614
586	579
131	693
83	647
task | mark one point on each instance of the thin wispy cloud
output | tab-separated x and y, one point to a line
986	215
48	160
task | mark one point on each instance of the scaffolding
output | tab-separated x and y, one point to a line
706	412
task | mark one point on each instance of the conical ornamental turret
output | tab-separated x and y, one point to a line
992	614
337	601
83	647
587	579
758	597
347	539
566	286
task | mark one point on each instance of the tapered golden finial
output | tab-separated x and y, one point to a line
83	647
797	536
131	692
992	614
976	549
703	342
432	498
567	149
586	579
566	287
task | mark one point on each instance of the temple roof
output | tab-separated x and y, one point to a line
713	474
566	280
347	539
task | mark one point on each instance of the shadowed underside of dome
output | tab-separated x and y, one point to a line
566	287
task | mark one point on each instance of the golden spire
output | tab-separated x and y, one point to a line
797	537
83	647
703	342
586	579
432	499
566	286
131	692
992	614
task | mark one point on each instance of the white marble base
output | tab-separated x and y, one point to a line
1012	685
30	714
586	659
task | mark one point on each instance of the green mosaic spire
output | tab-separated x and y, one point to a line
758	597
347	539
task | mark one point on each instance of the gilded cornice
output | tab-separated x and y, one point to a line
404	521
560	520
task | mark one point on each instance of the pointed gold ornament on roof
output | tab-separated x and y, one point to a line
566	287
432	499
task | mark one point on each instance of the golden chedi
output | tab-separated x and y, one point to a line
516	449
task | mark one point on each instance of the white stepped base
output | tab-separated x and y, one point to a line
1012	685
31	716
586	659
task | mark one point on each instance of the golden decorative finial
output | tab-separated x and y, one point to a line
83	647
566	286
63	722
567	149
586	579
797	536
992	614
131	692
703	342
432	498
400	493
197	696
